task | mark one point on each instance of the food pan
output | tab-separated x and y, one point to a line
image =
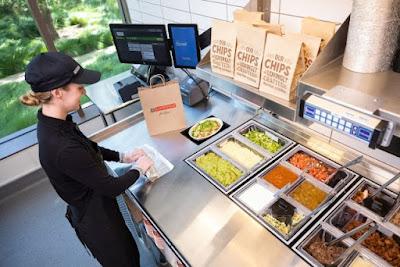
271	137
365	260
227	187
336	181
344	215
254	197
382	243
308	193
282	223
279	176
312	248
241	158
382	203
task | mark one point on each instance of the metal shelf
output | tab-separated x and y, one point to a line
246	93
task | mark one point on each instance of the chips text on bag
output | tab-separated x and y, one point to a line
283	65
223	46
249	54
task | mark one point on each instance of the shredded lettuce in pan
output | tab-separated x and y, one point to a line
263	140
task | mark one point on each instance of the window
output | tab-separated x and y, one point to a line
76	27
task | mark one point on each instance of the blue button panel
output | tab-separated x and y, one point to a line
338	123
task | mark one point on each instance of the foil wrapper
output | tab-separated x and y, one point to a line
372	38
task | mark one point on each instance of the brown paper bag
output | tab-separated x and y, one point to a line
324	30
283	65
223	45
311	46
247	16
269	27
249	54
255	19
162	107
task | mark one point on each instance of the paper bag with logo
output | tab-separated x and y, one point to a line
162	106
283	65
311	46
249	54
223	45
324	30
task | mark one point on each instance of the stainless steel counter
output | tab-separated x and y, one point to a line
104	95
204	225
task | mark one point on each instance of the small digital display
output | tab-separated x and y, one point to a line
185	47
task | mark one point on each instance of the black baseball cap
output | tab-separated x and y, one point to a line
51	70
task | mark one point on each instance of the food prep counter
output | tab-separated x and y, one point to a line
380	248
233	158
204	226
293	194
212	222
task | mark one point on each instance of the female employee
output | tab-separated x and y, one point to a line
74	164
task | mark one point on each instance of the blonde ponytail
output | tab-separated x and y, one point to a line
35	99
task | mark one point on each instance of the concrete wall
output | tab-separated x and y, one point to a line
202	12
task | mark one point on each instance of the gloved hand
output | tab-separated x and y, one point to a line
150	174
144	163
132	156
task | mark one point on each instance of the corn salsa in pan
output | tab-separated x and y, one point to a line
308	195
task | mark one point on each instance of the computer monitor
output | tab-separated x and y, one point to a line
141	44
184	45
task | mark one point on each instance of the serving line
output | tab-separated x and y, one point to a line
199	221
202	224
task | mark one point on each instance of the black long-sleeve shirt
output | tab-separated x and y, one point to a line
74	164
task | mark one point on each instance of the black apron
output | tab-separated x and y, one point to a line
101	228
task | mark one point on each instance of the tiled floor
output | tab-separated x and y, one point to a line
34	231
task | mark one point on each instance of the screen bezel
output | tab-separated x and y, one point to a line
196	31
135	26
